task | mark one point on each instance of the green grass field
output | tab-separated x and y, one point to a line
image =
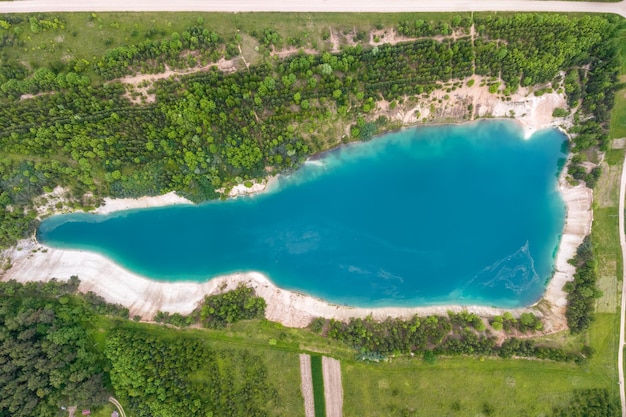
318	386
462	387
408	387
618	117
481	386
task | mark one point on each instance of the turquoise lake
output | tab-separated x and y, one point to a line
465	215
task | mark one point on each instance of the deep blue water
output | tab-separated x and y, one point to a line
450	214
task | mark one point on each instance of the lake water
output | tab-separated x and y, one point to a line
440	215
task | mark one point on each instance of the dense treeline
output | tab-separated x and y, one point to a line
582	291
220	310
156	376
589	403
230	307
210	129
62	290
458	334
47	359
531	48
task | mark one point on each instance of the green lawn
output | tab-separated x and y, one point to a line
318	386
103	412
618	119
471	386
408	387
463	387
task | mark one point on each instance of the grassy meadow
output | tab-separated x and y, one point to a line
89	35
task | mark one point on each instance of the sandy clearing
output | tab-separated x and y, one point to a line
223	65
333	389
450	103
307	385
27	6
264	185
118	204
532	112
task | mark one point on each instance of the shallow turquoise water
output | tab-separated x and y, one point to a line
440	215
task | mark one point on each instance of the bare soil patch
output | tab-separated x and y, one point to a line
333	389
307	385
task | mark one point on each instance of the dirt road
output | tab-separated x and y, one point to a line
27	6
622	239
333	389
307	385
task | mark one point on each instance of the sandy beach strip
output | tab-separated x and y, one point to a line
112	205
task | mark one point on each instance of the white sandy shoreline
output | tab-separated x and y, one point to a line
144	297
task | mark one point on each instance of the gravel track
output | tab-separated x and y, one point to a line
307	385
622	241
333	389
28	6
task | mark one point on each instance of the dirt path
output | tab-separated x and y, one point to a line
333	389
29	6
118	406
222	65
307	385
622	241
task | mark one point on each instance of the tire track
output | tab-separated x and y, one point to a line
307	385
333	389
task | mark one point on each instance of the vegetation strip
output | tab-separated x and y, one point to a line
622	240
317	374
397	385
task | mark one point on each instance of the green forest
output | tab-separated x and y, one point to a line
73	123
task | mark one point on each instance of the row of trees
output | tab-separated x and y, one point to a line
458	334
582	291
